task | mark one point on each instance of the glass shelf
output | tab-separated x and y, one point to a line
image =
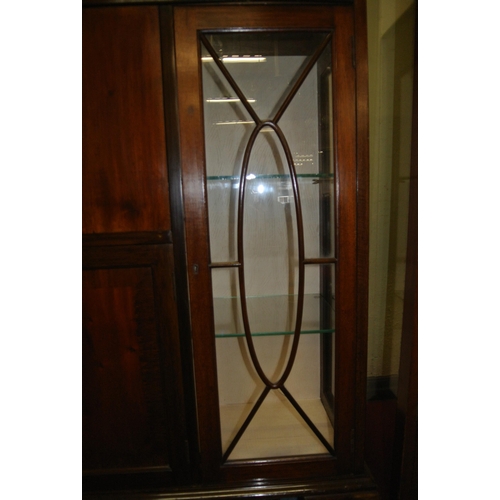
263	318
270	176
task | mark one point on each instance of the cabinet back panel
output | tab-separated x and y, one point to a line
125	185
124	414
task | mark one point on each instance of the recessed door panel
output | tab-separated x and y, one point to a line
124	412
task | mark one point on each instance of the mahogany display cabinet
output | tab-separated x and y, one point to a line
225	250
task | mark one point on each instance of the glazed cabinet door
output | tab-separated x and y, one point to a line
268	155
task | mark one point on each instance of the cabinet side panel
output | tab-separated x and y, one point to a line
125	185
124	414
345	309
363	187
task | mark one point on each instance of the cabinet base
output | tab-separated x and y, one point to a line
352	487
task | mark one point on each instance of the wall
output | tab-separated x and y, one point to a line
390	58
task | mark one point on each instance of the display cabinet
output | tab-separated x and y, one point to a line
264	135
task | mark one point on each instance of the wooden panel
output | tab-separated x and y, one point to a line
124	159
346	290
124	423
178	223
363	183
134	432
379	441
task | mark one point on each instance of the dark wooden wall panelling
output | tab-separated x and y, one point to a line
133	408
134	431
123	405
125	184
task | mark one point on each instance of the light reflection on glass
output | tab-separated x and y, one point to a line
227	100
237	59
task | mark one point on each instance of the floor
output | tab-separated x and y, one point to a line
277	430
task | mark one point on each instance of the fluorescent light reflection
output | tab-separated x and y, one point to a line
242	122
235	123
250	177
237	59
227	99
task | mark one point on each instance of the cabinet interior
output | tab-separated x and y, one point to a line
266	68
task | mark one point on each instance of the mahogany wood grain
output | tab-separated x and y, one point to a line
123	412
133	408
363	189
197	244
141	238
178	229
344	99
125	185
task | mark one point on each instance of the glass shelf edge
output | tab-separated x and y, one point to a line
271	334
269	176
309	326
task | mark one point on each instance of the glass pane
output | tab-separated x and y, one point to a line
308	127
277	429
320	281
270	230
292	419
227	129
265	65
318	312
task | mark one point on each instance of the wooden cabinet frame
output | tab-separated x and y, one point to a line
182	256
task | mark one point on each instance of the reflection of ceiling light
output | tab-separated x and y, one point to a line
260	188
242	122
227	99
250	177
234	123
243	59
237	59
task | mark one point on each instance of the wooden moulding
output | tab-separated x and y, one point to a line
141	238
347	488
178	231
94	3
362	207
